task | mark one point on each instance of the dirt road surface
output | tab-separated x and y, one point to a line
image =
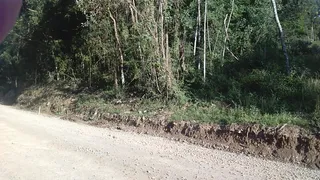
38	147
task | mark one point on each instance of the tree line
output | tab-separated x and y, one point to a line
245	52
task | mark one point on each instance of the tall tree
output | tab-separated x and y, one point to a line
284	47
205	41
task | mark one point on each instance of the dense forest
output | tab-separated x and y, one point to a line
262	55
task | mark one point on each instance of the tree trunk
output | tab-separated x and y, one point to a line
208	36
197	29
162	29
90	73
227	21
284	47
312	32
16	82
119	49
168	67
165	47
215	45
205	41
116	86
197	37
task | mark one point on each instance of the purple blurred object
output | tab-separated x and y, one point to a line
9	11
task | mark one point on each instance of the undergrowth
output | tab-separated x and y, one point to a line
200	112
260	97
221	115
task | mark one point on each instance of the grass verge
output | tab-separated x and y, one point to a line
214	114
200	112
203	113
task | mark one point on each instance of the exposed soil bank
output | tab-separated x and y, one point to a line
286	143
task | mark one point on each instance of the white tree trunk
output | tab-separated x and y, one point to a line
205	41
312	32
226	23
284	47
197	35
161	10
119	48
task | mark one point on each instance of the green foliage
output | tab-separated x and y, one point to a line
215	114
147	48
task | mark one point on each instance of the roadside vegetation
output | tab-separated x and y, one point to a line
209	61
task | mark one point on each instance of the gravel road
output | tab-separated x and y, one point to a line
38	147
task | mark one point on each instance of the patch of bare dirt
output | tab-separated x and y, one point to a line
285	143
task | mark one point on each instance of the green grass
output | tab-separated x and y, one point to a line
144	107
214	114
203	113
92	102
199	111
